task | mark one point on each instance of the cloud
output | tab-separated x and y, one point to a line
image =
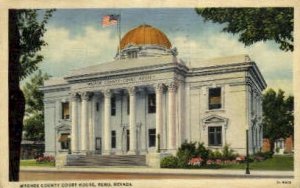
285	85
65	52
275	65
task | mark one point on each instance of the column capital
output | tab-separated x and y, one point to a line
131	90
107	93
159	87
74	97
172	86
86	95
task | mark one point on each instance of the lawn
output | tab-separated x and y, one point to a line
32	162
285	162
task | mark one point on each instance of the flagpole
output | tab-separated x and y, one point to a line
119	24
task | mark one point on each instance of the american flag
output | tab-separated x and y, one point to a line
110	20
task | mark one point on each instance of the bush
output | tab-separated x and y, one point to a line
215	155
228	154
169	162
183	157
202	152
45	159
265	155
186	152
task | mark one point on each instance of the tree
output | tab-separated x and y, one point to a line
255	24
25	41
278	117
34	116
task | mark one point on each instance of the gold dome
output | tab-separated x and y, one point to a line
145	34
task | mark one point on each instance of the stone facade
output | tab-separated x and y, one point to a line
181	97
129	105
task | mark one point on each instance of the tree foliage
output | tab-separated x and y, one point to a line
34	127
255	24
278	117
31	39
33	96
34	116
25	41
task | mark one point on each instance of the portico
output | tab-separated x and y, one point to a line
84	110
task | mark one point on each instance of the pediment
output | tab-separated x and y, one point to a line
214	119
63	127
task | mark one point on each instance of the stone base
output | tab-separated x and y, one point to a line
131	153
171	152
106	153
153	160
60	160
75	152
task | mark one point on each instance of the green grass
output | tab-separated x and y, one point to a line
275	163
32	162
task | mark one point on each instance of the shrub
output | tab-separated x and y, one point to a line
189	148
186	152
196	161
214	155
169	162
228	154
45	159
202	152
265	155
183	157
240	159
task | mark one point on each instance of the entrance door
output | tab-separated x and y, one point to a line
127	140
98	144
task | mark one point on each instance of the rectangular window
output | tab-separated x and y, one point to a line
214	101
151	135
113	106
113	139
64	141
215	136
98	143
127	140
65	110
151	103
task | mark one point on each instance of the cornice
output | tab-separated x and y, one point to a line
257	76
138	70
55	88
219	69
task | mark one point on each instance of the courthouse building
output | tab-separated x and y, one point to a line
148	101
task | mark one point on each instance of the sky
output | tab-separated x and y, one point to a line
77	39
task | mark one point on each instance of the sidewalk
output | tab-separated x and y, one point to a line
145	170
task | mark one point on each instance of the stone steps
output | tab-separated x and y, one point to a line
111	160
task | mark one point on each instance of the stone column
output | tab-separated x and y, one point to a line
84	121
106	129
159	114
172	88
132	120
74	132
91	134
58	114
180	111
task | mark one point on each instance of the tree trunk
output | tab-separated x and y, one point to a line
16	98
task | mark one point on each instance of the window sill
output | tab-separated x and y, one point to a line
63	150
215	147
215	110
